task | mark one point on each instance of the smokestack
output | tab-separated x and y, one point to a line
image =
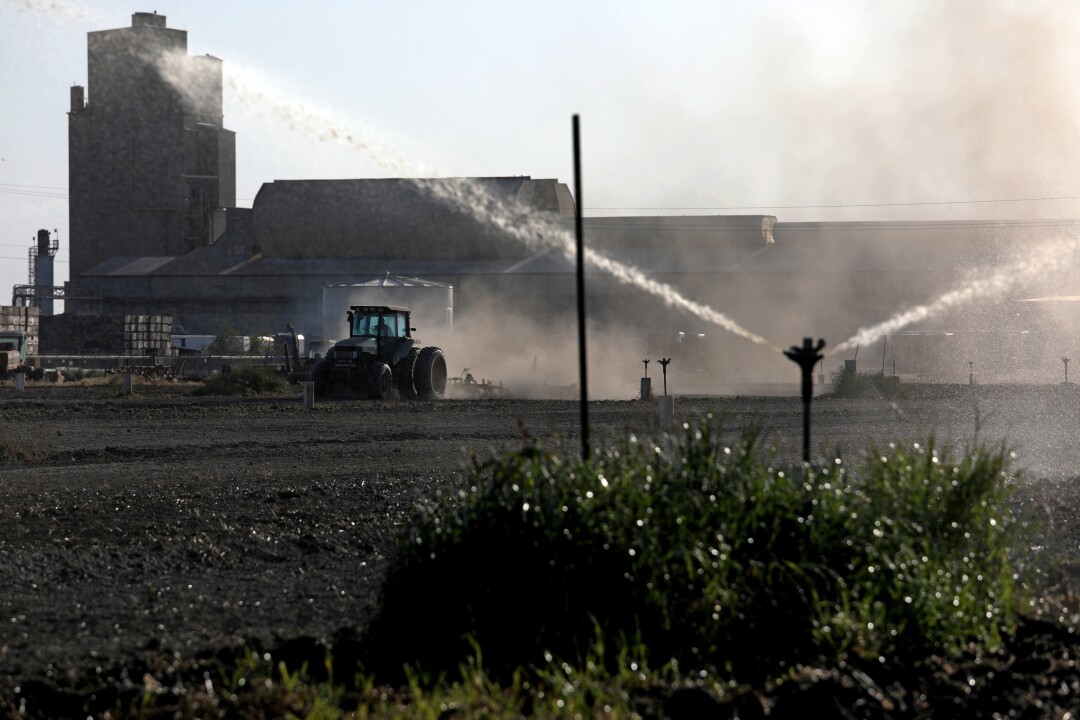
41	269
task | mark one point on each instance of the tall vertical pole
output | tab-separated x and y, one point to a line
583	370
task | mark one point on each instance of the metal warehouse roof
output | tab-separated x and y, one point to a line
393	218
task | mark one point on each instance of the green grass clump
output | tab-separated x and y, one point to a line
258	685
243	380
707	555
850	384
74	375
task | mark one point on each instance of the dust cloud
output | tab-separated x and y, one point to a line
954	102
533	230
537	357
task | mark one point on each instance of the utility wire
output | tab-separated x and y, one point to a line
33	193
840	226
35	187
8	257
849	205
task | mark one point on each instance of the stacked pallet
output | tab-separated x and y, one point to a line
148	335
14	318
67	334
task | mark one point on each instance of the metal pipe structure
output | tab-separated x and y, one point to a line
806	357
664	362
583	371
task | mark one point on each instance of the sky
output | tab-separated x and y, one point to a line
841	110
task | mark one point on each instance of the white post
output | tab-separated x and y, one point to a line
309	395
127	383
666	406
20	381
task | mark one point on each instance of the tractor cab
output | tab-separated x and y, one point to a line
386	324
379	321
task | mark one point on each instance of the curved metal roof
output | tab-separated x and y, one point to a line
391	218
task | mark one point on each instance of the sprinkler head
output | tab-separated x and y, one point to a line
806	357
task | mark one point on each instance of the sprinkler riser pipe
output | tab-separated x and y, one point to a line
806	357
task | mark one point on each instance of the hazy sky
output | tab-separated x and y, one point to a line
704	105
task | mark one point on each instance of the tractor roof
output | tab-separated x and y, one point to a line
379	308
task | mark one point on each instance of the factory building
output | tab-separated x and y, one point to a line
151	168
155	231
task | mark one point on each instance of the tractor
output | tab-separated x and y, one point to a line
381	356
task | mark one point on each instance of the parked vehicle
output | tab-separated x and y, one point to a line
13	356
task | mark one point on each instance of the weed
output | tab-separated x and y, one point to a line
13	451
851	384
707	554
243	380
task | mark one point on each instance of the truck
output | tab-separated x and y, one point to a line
13	355
381	357
211	344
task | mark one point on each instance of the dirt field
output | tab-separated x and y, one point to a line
164	521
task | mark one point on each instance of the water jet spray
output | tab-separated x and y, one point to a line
1050	256
806	357
533	231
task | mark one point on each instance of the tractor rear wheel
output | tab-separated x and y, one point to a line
380	382
430	374
403	374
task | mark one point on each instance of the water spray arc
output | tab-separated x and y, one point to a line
1050	256
535	232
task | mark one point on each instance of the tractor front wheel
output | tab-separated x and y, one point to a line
380	382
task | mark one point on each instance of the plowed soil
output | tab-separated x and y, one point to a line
163	521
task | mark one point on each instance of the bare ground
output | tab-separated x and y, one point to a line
167	522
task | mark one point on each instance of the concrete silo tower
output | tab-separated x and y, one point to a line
150	163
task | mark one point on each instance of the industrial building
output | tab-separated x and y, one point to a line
155	231
150	169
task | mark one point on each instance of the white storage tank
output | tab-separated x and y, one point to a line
432	304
